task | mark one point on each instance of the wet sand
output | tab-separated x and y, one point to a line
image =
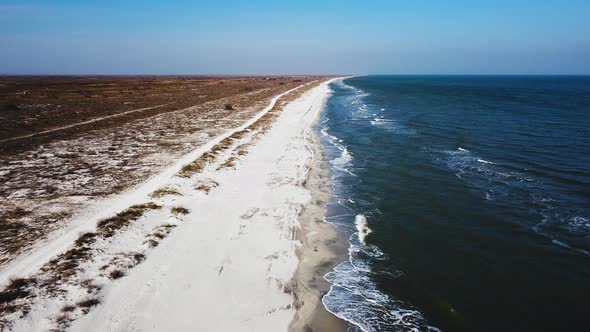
322	248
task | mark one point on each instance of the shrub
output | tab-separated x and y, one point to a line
179	210
68	308
116	274
165	191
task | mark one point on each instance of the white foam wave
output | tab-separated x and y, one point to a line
331	139
567	246
380	121
355	298
342	84
486	162
362	227
343	161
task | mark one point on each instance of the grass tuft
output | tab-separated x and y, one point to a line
18	288
68	308
86	239
152	243
206	186
197	165
138	257
108	227
179	210
85	305
116	274
88	303
165	192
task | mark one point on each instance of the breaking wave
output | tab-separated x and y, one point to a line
354	296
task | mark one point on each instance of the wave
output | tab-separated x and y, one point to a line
505	184
353	295
363	112
565	245
362	227
355	91
355	298
469	164
392	126
486	162
577	227
381	121
344	161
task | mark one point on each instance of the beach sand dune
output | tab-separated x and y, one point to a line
209	244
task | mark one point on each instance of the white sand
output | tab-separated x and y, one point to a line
85	221
225	266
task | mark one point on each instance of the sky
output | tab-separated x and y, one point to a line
295	37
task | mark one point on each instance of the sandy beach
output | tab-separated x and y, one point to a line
322	248
230	237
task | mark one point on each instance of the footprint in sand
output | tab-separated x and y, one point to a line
250	213
246	216
226	261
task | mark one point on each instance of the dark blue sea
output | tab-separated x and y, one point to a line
467	202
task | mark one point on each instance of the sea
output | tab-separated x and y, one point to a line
465	201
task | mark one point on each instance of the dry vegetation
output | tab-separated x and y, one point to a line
15	294
233	142
107	227
33	104
179	210
158	234
165	192
44	179
61	268
63	271
66	270
206	186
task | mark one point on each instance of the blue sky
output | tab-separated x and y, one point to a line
295	37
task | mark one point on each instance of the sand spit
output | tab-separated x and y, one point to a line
210	249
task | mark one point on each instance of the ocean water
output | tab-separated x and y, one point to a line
467	202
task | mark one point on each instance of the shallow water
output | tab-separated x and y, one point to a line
467	201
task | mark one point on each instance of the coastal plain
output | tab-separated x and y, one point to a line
120	218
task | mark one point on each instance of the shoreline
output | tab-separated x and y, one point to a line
323	247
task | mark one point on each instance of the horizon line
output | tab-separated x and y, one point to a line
283	74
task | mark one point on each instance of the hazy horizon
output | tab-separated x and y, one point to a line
227	37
